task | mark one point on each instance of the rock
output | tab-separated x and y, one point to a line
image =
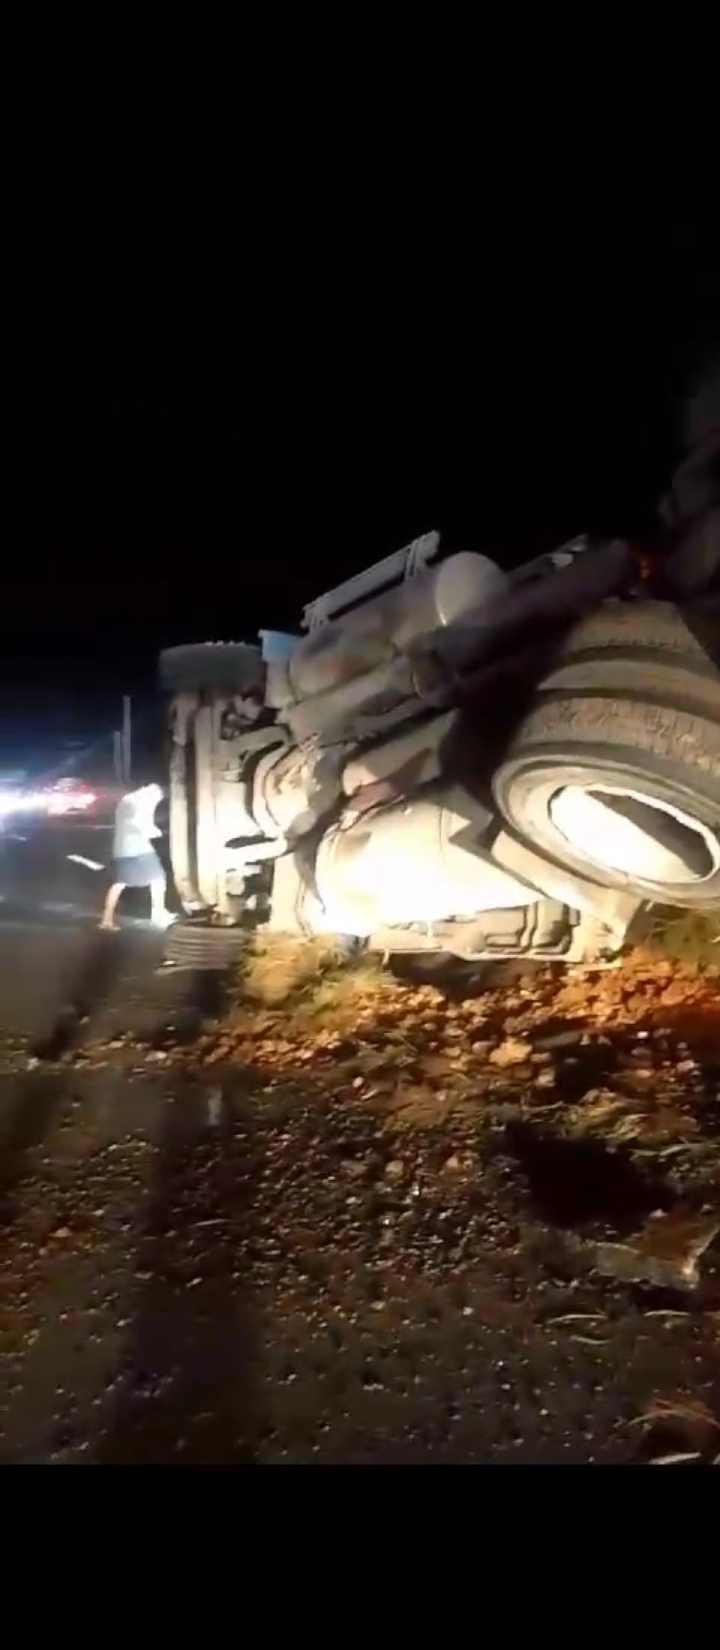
460	1163
559	1039
395	1169
512	1052
544	1078
353	1169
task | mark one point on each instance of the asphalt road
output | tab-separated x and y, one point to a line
199	1264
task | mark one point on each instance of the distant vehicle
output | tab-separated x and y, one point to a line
69	796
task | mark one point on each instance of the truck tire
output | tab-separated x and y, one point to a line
615	771
203	946
231	667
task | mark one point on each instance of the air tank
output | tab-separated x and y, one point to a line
379	629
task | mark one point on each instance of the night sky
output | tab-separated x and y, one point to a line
189	459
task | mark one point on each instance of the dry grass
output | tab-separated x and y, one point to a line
278	969
683	1421
343	996
669	982
691	937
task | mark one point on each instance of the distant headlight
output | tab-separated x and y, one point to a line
15	802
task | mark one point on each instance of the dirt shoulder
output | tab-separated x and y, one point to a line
361	1220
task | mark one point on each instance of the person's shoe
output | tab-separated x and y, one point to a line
163	919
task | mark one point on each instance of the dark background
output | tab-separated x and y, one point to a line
189	456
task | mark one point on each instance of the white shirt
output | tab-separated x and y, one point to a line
134	825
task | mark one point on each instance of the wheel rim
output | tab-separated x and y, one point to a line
634	834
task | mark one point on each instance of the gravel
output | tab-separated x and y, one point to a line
376	1225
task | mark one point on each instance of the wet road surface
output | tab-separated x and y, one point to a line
216	1262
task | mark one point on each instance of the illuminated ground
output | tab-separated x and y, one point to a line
377	1225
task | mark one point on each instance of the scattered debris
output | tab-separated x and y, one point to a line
214	1100
680	1458
677	1430
665	1253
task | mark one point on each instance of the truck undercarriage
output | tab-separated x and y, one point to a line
451	759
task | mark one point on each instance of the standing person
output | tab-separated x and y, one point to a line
135	862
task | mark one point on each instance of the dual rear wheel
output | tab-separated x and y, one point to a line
615	771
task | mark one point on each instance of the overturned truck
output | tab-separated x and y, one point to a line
452	759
